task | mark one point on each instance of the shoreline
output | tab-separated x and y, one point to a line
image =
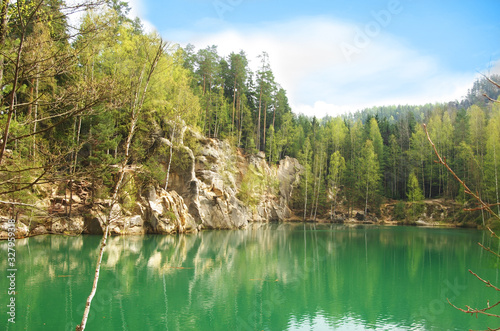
25	233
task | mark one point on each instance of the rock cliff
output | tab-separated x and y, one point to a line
211	186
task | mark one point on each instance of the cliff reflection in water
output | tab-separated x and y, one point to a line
272	277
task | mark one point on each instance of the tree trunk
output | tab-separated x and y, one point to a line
234	102
240	124
258	123
3	34
136	109
82	325
265	123
172	136
496	176
70	196
423	179
430	179
366	200
12	97
319	185
335	202
305	198
36	116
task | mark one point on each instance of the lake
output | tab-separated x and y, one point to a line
272	277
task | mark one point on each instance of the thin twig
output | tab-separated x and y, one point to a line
487	282
18	204
475	311
493	234
490	98
489	250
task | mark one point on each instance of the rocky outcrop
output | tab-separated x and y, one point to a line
212	185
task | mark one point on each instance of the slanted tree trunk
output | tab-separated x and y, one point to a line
136	110
12	97
81	326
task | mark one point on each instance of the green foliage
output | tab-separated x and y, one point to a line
82	94
414	191
170	215
252	187
370	175
129	192
255	184
191	141
400	211
153	170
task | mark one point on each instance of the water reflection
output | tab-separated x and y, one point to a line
273	277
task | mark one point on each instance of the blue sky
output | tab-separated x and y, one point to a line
338	56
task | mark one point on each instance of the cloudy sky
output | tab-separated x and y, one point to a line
335	56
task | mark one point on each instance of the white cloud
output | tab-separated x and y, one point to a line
137	9
309	59
495	67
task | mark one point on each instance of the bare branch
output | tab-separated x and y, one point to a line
490	98
27	186
18	204
475	311
491	81
493	234
487	282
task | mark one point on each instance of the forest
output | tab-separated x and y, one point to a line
80	101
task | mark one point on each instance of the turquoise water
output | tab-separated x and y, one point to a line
277	277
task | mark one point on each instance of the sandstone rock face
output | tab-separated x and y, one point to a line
166	213
211	186
21	229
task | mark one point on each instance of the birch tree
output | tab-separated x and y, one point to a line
336	171
370	173
149	52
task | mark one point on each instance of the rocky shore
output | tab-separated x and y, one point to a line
211	186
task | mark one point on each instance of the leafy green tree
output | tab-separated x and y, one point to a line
336	172
266	87
415	195
208	71
271	147
235	80
304	158
392	167
370	174
477	137
493	154
418	153
376	138
353	170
